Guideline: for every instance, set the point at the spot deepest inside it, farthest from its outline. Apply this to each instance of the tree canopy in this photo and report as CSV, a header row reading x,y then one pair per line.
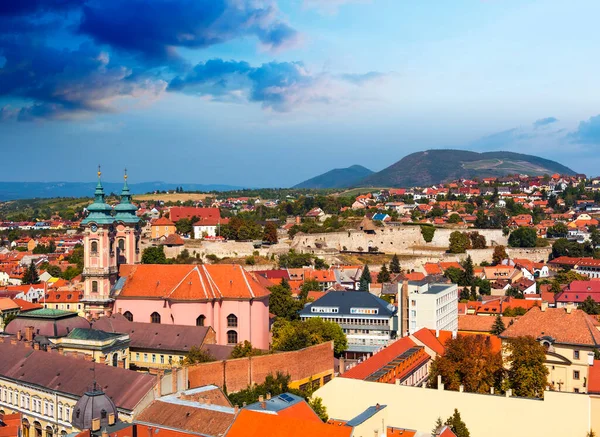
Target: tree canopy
x,y
294,335
154,255
459,242
281,302
527,371
523,237
31,275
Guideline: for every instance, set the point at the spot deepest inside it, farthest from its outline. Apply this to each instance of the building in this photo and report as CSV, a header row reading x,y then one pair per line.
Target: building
x,y
161,228
369,322
45,324
109,241
224,296
103,347
584,266
577,292
177,213
8,310
158,346
46,395
208,226
432,306
570,337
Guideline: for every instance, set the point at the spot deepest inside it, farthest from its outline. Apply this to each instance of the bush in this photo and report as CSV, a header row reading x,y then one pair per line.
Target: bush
x,y
427,232
250,261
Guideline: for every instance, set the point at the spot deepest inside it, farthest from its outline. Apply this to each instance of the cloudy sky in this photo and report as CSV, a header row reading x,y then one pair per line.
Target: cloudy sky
x,y
269,93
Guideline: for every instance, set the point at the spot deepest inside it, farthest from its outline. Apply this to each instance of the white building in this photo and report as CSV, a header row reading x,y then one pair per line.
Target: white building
x,y
432,306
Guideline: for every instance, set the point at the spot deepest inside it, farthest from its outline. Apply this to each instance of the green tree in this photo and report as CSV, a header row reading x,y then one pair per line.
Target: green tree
x,y
469,275
281,302
55,271
320,264
523,237
456,275
485,287
457,425
154,255
527,372
454,218
515,292
270,233
395,265
365,279
590,306
436,428
499,255
31,275
383,275
245,349
478,241
559,230
427,232
197,355
184,226
293,260
459,242
471,362
308,285
294,335
498,327
317,406
274,384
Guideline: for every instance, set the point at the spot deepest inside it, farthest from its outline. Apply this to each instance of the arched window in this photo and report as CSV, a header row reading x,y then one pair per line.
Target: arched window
x,y
200,320
94,247
114,360
94,286
128,316
49,431
232,321
121,244
232,337
25,427
154,317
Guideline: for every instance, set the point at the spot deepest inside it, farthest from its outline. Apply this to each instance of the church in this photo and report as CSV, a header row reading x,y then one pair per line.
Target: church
x,y
234,302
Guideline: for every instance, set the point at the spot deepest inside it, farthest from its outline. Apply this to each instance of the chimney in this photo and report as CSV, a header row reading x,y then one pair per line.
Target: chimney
x,y
377,407
174,380
236,409
14,341
159,376
342,365
19,335
268,396
88,357
544,306
36,346
263,404
29,333
104,433
437,333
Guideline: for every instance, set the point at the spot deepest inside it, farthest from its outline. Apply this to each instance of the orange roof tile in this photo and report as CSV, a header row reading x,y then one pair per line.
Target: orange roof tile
x,y
162,221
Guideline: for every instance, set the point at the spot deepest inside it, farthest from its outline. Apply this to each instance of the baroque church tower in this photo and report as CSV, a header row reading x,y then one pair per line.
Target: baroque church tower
x,y
110,239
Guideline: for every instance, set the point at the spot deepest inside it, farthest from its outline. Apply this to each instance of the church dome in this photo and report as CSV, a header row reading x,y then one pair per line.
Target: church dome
x,y
94,410
99,211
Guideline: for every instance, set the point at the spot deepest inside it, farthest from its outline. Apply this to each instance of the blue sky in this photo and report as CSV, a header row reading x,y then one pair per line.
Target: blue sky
x,y
269,93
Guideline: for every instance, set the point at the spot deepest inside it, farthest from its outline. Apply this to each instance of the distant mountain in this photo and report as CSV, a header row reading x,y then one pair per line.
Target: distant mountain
x,y
337,178
29,190
436,166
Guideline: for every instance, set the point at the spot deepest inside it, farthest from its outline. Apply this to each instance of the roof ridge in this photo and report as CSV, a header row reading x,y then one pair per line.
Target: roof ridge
x,y
211,282
178,284
246,280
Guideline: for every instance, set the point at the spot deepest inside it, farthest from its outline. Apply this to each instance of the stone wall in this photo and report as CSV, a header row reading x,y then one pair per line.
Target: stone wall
x,y
388,239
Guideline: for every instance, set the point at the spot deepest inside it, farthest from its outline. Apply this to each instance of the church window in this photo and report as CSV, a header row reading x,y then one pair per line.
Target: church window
x,y
232,337
94,286
128,316
121,244
200,320
94,248
232,321
155,317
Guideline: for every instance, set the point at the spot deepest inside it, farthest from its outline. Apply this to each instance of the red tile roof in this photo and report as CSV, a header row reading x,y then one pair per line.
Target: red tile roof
x,y
576,328
594,378
185,282
178,212
162,221
427,338
481,324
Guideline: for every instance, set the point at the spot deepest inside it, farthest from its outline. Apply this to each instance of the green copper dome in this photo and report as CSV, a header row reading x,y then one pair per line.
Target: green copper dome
x,y
99,212
125,211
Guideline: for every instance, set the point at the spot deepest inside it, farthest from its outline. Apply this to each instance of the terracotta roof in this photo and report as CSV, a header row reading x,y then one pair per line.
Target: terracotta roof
x,y
575,328
200,418
73,376
594,378
185,282
432,269
474,323
178,212
256,424
27,306
427,338
162,221
10,425
7,304
400,432
173,240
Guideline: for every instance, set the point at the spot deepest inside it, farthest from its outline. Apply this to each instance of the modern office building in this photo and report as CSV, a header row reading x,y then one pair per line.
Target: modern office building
x,y
432,306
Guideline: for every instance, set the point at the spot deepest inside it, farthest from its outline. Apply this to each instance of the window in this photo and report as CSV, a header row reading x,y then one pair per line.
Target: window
x,y
575,374
575,355
153,358
128,316
232,337
162,359
146,357
232,321
137,356
200,320
94,248
154,317
576,390
121,244
60,412
94,286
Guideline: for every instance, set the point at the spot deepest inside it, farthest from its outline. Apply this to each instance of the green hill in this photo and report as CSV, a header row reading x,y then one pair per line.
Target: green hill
x,y
436,166
337,178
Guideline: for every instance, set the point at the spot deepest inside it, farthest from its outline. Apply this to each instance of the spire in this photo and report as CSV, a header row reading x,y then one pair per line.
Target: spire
x,y
99,193
126,210
125,194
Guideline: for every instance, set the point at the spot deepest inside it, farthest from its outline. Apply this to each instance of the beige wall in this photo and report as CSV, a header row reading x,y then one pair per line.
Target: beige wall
x,y
559,414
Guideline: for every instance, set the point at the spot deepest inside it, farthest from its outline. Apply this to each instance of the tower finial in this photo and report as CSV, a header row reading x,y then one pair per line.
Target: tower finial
x,y
125,176
99,172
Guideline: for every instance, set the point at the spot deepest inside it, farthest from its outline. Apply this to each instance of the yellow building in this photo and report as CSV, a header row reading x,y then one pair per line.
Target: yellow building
x,y
101,347
45,387
8,309
162,227
570,337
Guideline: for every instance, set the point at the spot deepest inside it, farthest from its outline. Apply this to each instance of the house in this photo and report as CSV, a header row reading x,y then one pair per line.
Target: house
x,y
525,286
224,296
433,306
577,292
208,227
570,337
177,213
8,310
162,227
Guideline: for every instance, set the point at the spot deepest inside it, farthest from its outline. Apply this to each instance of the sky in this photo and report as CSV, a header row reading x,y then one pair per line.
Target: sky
x,y
267,93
